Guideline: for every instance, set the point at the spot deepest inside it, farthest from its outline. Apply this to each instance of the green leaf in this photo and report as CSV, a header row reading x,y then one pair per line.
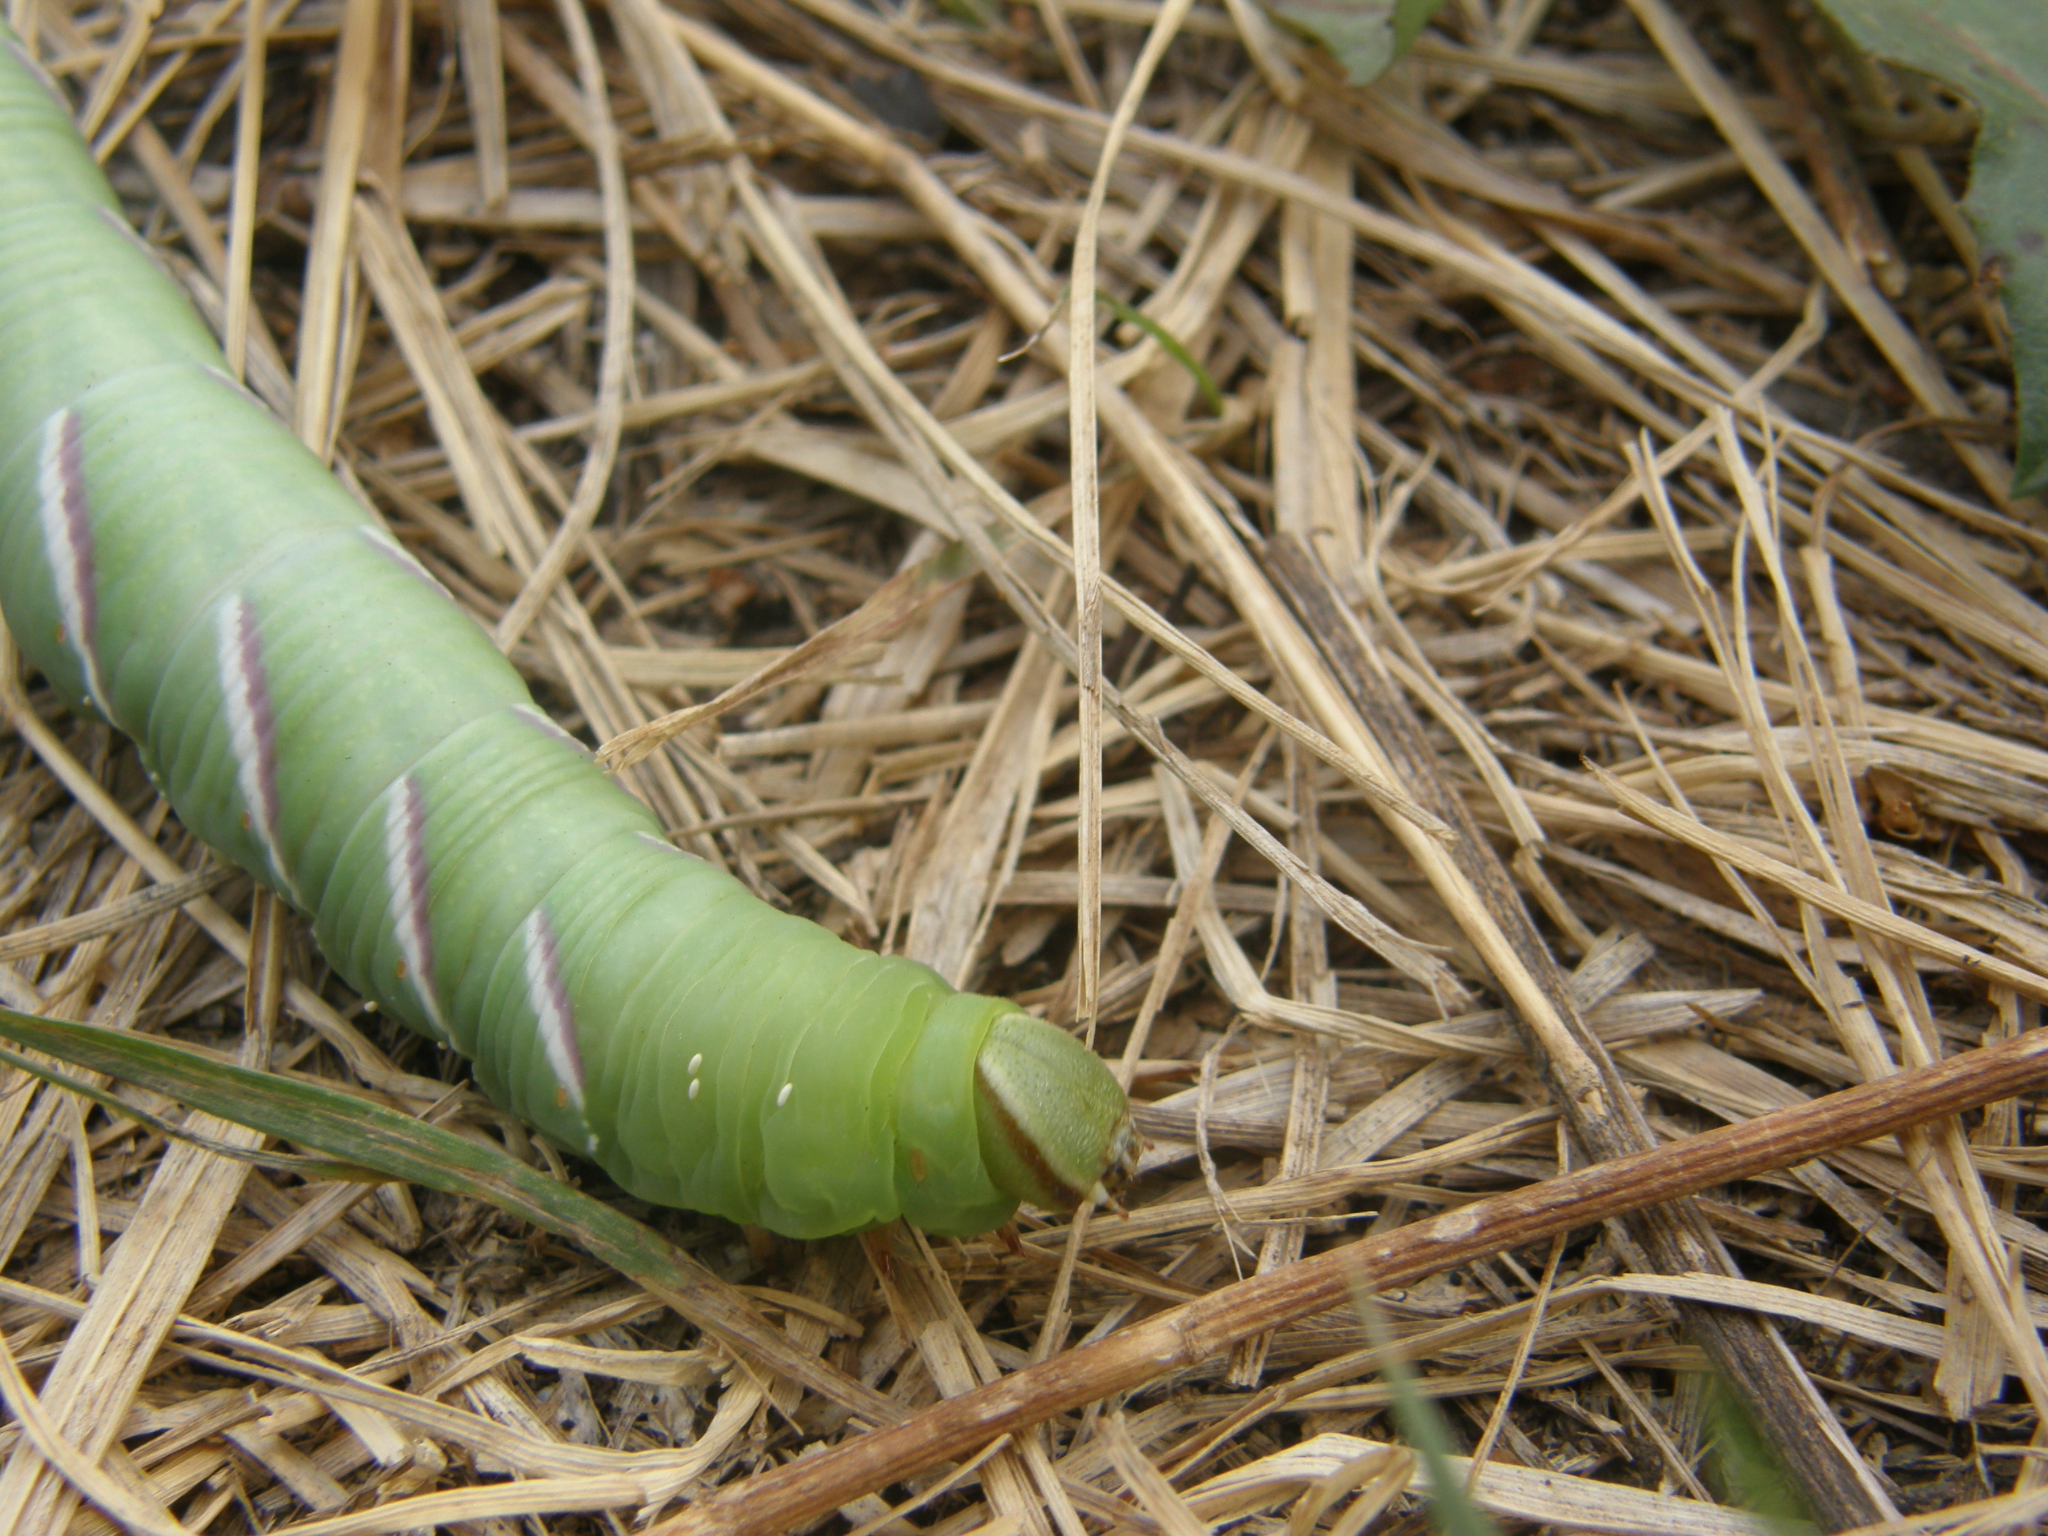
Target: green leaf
x,y
1996,53
367,1135
1365,36
1751,1475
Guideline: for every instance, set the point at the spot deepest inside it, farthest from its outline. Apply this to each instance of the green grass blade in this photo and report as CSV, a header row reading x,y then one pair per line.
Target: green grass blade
x,y
1451,1509
114,1104
364,1134
1169,343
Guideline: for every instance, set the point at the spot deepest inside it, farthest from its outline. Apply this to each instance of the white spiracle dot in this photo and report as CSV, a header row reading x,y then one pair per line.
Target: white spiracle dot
x,y
695,1084
782,1098
696,1063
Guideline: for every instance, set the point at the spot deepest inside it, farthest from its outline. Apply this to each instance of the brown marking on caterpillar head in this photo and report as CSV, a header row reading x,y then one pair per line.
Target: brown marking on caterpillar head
x,y
1054,1123
917,1167
1046,1182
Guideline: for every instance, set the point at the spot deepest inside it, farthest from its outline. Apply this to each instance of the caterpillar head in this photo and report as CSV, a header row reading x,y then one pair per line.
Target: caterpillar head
x,y
1055,1126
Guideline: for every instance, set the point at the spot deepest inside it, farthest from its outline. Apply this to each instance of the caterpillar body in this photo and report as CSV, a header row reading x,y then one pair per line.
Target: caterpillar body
x,y
320,712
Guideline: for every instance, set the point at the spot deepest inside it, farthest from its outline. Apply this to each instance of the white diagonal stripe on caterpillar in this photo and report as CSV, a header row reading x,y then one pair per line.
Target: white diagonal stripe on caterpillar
x,y
666,846
380,539
552,1011
252,727
540,722
42,76
67,536
142,247
405,861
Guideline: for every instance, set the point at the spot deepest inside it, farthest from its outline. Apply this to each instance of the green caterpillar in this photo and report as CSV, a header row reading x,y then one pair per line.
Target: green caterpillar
x,y
319,711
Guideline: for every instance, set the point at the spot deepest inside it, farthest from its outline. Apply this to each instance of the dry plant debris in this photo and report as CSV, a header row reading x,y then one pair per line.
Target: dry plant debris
x,y
1577,681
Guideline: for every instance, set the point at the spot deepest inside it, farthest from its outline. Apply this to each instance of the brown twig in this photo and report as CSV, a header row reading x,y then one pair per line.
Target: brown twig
x,y
816,1485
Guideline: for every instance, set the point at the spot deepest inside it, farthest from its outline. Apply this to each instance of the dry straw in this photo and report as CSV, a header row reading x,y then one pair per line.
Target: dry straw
x,y
1516,657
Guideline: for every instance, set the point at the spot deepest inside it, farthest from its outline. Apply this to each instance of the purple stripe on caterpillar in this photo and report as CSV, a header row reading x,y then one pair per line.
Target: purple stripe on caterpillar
x,y
549,998
67,536
120,226
666,846
548,728
381,540
42,76
405,860
252,728
225,379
